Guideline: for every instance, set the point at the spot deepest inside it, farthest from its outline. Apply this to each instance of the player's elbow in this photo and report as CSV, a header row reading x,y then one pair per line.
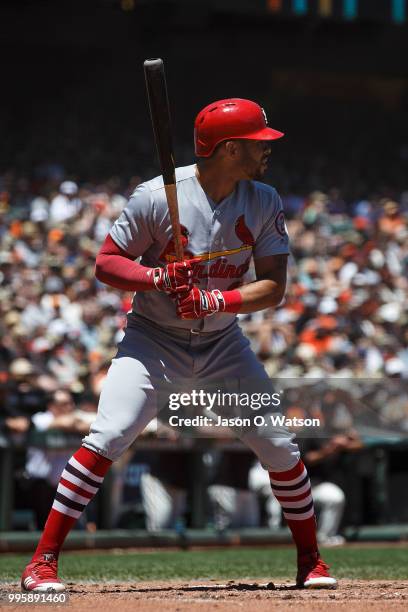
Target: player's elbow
x,y
99,271
277,295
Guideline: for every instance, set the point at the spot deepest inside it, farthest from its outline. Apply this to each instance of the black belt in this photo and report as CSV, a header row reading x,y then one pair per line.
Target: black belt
x,y
180,331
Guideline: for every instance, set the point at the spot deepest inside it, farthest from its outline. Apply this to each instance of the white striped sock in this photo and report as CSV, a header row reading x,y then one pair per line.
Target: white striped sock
x,y
64,510
76,497
80,483
78,466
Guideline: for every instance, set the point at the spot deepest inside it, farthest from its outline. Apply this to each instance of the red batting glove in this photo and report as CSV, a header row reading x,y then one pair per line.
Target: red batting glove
x,y
199,303
174,277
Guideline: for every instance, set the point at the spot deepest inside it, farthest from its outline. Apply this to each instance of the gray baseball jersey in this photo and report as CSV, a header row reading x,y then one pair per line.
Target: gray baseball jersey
x,y
249,222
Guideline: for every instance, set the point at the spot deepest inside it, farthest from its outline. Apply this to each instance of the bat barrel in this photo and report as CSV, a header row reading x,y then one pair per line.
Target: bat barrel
x,y
153,64
160,115
159,111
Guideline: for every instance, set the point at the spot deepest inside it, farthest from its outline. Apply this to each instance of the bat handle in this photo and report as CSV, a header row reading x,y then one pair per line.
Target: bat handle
x,y
171,194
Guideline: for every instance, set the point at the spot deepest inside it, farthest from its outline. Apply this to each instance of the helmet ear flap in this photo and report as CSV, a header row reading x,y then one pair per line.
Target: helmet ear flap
x,y
220,145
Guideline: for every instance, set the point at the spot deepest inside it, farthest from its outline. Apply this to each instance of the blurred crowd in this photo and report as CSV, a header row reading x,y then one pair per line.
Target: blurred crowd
x,y
58,324
345,314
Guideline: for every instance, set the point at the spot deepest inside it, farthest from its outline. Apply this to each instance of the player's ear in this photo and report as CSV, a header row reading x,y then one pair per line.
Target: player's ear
x,y
233,148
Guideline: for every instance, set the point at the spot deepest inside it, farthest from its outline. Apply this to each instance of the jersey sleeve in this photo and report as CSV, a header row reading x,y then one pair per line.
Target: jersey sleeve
x,y
273,238
133,230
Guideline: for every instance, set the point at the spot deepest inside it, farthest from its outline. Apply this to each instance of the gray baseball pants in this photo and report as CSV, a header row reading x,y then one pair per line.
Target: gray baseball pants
x,y
151,356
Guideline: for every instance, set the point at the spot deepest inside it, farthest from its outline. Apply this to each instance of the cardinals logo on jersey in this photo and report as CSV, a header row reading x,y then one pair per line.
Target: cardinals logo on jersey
x,y
220,266
169,252
243,232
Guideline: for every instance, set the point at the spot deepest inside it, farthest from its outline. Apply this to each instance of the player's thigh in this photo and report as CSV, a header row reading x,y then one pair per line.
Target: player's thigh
x,y
232,363
230,366
231,357
135,389
128,402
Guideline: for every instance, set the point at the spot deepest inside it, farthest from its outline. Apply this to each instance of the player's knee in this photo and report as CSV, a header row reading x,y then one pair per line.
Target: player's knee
x,y
275,454
111,444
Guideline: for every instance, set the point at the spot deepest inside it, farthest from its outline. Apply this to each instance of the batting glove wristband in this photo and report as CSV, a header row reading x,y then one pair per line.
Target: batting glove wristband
x,y
199,303
174,277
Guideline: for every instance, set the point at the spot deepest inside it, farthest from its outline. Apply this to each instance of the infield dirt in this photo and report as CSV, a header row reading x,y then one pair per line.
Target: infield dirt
x,y
251,596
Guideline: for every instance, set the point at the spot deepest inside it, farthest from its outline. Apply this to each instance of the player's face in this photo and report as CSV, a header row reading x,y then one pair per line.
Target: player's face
x,y
254,159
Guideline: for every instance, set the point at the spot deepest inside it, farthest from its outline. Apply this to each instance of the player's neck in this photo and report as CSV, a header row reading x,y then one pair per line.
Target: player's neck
x,y
217,184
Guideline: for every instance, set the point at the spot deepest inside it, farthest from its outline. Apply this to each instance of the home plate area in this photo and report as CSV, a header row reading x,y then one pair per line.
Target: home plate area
x,y
251,596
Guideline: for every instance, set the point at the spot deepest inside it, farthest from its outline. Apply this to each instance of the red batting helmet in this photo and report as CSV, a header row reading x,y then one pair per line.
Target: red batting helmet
x,y
229,119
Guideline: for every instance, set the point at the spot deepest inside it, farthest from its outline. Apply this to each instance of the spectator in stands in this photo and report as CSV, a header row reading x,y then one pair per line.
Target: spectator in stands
x,y
44,465
260,486
22,396
392,221
232,502
66,204
153,482
165,483
324,456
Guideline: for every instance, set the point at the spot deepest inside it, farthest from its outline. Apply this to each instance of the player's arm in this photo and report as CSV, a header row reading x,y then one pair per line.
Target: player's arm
x,y
269,288
117,268
270,256
132,234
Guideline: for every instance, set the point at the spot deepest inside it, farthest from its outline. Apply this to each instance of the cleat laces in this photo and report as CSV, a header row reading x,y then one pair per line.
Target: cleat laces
x,y
45,570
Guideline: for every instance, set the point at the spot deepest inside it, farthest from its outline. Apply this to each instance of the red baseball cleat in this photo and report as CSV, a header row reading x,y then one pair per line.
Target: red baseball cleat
x,y
40,576
313,573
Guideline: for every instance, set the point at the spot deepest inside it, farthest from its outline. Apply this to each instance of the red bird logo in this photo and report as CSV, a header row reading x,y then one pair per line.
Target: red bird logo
x,y
243,232
169,252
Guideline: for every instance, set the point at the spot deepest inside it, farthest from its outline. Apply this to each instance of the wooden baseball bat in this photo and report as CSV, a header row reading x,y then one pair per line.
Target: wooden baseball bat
x,y
160,115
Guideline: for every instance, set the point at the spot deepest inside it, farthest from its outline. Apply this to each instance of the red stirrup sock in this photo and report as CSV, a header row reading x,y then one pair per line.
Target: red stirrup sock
x,y
292,489
80,481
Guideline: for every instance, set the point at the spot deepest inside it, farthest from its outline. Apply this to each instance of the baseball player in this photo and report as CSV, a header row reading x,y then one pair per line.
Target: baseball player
x,y
183,322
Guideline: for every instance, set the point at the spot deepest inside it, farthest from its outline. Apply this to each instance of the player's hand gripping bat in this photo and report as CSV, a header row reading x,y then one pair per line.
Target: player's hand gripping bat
x,y
160,114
